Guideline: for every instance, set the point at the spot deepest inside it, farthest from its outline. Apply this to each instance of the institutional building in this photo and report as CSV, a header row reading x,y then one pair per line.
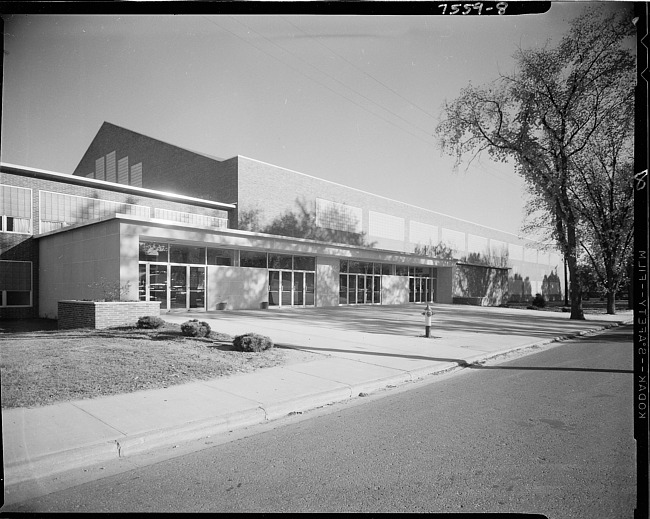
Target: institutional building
x,y
151,221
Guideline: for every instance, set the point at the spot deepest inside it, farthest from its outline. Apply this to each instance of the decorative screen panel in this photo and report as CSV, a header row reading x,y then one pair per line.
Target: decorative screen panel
x,y
15,201
385,225
99,169
530,255
123,170
136,175
339,217
454,239
111,173
191,218
477,244
498,248
516,252
59,210
422,233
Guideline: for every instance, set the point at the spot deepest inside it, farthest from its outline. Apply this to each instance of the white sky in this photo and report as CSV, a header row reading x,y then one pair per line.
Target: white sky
x,y
351,99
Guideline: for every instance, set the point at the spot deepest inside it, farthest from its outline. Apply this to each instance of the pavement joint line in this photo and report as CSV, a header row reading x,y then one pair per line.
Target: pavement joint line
x,y
73,404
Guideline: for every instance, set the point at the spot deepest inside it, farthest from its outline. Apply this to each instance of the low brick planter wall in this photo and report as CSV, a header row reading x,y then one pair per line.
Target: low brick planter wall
x,y
95,314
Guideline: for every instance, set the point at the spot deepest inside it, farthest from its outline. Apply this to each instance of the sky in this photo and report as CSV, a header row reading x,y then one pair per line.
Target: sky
x,y
354,99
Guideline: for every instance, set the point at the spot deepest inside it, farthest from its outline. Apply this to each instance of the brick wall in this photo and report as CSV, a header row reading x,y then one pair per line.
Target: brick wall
x,y
91,314
274,191
24,247
165,167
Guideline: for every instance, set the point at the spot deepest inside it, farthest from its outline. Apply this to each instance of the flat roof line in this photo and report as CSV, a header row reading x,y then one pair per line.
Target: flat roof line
x,y
77,179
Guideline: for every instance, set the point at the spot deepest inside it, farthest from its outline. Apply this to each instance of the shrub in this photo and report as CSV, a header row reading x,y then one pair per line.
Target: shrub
x,y
539,301
252,342
150,322
195,328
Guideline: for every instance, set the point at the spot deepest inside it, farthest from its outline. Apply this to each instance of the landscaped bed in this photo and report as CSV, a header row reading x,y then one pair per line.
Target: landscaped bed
x,y
43,367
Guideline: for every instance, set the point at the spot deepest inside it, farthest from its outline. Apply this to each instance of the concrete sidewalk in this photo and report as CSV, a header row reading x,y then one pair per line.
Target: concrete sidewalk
x,y
363,349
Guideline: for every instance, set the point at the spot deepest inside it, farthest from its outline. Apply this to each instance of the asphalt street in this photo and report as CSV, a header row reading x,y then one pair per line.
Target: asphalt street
x,y
548,433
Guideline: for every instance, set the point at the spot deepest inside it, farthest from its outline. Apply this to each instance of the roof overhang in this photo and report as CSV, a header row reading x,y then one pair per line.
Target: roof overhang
x,y
111,186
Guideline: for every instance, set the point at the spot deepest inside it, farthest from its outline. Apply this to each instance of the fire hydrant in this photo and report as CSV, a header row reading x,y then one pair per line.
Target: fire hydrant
x,y
428,312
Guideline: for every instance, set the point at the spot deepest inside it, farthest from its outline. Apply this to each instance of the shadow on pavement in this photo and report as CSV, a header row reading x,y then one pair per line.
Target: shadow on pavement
x,y
460,362
407,319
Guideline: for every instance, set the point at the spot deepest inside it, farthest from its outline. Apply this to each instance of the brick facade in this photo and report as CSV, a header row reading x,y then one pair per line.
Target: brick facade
x,y
164,167
91,314
24,247
383,230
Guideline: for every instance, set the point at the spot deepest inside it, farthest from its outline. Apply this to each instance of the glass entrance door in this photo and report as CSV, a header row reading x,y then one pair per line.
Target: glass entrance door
x,y
291,288
274,287
359,289
158,284
298,289
286,288
309,289
421,290
197,287
178,287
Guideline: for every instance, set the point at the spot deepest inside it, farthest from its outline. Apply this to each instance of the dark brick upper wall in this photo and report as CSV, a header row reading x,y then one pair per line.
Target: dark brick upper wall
x,y
164,167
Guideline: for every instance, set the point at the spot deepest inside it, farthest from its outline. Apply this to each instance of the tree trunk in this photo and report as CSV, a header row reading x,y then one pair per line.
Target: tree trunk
x,y
630,286
611,291
576,293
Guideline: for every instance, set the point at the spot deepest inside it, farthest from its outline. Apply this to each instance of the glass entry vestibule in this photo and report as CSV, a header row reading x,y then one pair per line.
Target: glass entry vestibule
x,y
174,274
291,288
360,282
422,284
291,280
175,286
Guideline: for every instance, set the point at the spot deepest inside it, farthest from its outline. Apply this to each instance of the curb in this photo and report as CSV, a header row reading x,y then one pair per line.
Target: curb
x,y
559,338
48,465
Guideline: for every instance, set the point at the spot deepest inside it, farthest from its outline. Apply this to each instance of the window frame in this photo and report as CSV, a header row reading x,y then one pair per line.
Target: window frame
x,y
3,292
4,217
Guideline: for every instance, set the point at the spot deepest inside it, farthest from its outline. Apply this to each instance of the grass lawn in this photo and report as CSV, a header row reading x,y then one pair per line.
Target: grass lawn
x,y
42,367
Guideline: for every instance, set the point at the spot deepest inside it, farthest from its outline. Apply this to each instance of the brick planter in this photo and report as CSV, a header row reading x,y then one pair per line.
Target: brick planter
x,y
95,314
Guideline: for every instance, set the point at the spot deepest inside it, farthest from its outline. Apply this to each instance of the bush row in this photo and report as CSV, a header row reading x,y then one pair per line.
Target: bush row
x,y
195,328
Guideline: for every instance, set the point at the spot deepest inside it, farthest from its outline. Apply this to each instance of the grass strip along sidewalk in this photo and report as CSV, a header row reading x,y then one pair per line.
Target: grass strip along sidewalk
x,y
50,366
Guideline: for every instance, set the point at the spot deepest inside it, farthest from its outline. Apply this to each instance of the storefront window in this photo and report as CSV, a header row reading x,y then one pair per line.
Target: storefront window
x,y
280,261
402,270
154,251
252,259
419,271
187,254
15,283
304,263
221,257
